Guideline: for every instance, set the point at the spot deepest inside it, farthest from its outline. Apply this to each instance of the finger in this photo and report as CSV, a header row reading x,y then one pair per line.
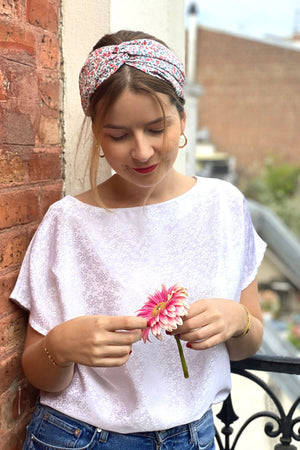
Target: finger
x,y
205,343
126,323
197,334
124,337
118,338
193,323
97,355
114,362
203,333
115,351
196,308
108,361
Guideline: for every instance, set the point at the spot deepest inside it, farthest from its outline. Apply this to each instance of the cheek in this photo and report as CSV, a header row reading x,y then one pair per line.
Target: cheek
x,y
172,142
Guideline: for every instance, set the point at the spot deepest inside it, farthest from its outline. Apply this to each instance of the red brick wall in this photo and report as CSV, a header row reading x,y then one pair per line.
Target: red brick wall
x,y
251,101
30,177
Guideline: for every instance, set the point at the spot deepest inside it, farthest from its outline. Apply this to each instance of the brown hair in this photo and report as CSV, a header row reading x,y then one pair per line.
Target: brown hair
x,y
108,92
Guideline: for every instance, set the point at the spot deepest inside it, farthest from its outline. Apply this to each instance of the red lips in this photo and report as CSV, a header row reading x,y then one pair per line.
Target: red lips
x,y
145,169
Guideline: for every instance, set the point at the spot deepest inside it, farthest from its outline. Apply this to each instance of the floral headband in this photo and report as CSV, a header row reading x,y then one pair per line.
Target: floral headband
x,y
146,55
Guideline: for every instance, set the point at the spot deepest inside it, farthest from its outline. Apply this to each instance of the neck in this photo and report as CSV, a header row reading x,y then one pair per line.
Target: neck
x,y
118,193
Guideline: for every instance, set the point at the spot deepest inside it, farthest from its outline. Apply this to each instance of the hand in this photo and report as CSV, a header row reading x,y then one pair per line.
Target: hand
x,y
99,341
210,322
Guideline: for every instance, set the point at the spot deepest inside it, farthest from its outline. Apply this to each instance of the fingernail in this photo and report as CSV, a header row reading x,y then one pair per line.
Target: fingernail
x,y
168,333
130,352
189,345
149,323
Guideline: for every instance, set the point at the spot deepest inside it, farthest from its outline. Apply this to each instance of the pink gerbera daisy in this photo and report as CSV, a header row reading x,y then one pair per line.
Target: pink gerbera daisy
x,y
164,310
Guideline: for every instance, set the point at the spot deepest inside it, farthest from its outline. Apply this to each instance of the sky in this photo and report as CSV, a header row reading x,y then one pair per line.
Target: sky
x,y
257,18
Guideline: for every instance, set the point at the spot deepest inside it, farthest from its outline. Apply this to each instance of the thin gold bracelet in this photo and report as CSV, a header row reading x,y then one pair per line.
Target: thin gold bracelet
x,y
50,357
248,326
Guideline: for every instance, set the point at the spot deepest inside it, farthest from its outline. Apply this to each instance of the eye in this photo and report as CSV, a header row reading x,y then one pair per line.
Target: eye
x,y
118,138
160,131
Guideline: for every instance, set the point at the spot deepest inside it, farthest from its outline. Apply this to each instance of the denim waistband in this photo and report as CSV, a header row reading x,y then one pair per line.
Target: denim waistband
x,y
161,435
102,435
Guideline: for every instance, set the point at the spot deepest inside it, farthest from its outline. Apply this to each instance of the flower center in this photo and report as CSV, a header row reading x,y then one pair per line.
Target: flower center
x,y
158,308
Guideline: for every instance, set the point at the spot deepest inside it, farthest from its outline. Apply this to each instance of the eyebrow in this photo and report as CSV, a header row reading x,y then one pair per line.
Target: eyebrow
x,y
120,127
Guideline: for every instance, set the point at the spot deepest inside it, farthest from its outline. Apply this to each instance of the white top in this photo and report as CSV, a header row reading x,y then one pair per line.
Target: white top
x,y
85,260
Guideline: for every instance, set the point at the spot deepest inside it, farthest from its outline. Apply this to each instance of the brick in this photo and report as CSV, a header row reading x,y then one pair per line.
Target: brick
x,y
248,85
7,283
45,165
16,128
14,438
50,92
18,207
49,132
31,229
31,175
10,370
43,14
17,43
12,248
13,329
15,406
49,195
19,403
12,168
49,52
10,8
19,89
3,87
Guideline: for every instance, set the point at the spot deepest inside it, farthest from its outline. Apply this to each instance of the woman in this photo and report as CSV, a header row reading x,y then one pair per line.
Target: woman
x,y
97,257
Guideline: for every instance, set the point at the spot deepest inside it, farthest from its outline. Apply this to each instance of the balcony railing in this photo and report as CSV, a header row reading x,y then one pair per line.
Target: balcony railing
x,y
283,427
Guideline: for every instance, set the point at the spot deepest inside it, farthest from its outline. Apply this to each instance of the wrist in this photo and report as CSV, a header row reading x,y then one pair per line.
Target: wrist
x,y
51,350
247,326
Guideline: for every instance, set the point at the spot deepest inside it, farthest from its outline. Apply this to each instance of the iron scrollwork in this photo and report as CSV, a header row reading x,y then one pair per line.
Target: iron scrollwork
x,y
280,424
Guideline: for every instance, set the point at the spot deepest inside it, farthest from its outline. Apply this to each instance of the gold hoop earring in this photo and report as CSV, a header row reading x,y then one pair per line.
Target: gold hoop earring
x,y
101,156
185,141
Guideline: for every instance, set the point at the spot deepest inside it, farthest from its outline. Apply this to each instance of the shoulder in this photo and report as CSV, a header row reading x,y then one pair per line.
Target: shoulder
x,y
57,215
215,188
68,205
56,210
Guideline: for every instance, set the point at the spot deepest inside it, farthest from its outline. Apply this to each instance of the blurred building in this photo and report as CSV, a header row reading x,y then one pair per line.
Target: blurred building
x,y
251,102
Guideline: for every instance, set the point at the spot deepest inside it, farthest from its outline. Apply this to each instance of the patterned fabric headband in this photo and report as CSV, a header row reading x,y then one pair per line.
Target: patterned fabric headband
x,y
146,55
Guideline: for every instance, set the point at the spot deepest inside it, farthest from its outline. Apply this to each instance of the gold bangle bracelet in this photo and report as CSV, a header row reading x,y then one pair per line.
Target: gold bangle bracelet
x,y
50,357
248,326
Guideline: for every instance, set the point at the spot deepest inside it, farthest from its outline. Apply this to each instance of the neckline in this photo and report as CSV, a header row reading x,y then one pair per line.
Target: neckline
x,y
143,207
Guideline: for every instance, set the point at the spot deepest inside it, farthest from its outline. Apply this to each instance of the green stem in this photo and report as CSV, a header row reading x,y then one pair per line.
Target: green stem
x,y
182,358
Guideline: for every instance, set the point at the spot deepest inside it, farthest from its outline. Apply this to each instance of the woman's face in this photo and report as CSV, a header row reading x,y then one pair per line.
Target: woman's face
x,y
132,139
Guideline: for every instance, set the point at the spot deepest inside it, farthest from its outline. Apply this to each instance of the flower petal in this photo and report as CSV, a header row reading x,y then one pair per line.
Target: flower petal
x,y
164,310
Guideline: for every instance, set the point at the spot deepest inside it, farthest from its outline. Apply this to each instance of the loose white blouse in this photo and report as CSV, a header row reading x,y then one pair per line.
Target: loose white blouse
x,y
86,260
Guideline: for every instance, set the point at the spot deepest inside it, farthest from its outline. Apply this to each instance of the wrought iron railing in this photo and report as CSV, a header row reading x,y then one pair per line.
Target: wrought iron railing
x,y
283,425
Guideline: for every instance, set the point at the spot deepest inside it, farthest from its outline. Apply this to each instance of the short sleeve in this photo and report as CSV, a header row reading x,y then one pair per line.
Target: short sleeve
x,y
254,248
36,286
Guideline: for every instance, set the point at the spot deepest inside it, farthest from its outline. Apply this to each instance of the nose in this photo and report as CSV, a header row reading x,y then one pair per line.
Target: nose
x,y
142,149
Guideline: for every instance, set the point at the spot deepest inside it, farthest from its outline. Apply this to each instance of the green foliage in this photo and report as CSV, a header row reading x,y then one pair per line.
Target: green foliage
x,y
281,180
277,186
294,335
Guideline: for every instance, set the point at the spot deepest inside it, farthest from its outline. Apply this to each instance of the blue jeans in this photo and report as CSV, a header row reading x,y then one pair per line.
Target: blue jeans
x,y
50,429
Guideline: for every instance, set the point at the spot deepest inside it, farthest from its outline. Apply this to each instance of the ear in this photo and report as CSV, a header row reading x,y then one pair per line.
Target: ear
x,y
182,121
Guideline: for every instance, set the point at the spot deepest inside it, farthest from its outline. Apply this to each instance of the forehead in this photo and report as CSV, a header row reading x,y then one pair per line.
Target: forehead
x,y
139,107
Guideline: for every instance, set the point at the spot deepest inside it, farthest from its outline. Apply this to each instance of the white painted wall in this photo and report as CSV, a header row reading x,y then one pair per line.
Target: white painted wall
x,y
83,25
162,18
